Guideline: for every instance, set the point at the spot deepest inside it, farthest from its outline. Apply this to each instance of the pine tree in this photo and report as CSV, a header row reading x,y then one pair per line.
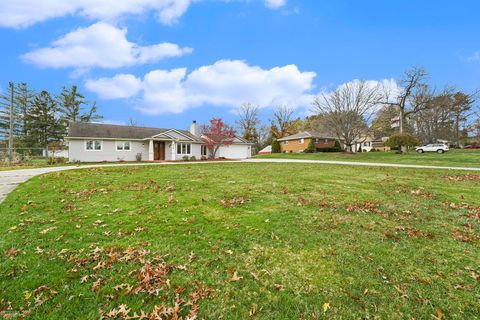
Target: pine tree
x,y
24,97
276,146
311,147
71,103
43,124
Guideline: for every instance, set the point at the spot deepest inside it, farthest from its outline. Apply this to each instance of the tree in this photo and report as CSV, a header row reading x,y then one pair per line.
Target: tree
x,y
217,134
412,97
311,147
43,124
383,123
402,139
347,110
248,123
281,124
461,107
71,103
276,146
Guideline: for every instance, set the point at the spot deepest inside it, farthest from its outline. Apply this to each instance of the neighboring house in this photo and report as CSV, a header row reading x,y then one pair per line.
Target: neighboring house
x,y
266,150
369,142
94,142
299,141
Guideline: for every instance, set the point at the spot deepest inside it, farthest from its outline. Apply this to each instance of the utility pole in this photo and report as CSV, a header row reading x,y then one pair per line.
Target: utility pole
x,y
10,135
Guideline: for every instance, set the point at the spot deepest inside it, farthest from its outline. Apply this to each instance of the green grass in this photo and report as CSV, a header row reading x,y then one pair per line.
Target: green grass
x,y
454,158
236,241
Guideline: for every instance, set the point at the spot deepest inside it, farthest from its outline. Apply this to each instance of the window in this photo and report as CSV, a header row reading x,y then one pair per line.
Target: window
x,y
325,141
203,150
302,141
366,144
316,140
286,142
123,145
93,145
184,148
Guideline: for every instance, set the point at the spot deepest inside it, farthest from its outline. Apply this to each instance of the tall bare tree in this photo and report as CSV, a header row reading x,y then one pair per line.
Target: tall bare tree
x,y
347,110
413,96
281,124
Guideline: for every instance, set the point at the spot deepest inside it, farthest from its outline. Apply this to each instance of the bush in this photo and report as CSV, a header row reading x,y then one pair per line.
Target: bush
x,y
310,147
275,146
328,150
186,158
51,161
192,158
398,140
138,157
373,150
337,146
203,158
60,160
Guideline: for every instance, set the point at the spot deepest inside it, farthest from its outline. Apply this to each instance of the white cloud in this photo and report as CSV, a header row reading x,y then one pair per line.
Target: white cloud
x,y
119,86
100,45
475,56
227,83
24,13
275,4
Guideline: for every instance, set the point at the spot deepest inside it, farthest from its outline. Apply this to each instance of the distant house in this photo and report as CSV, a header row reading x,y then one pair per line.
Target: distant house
x,y
368,142
299,141
94,142
266,150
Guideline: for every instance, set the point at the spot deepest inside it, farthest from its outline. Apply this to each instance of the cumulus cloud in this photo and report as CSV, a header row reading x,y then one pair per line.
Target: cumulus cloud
x,y
119,86
24,13
275,4
100,45
226,83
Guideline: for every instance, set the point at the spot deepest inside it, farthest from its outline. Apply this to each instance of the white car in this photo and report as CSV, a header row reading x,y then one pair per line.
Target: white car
x,y
434,147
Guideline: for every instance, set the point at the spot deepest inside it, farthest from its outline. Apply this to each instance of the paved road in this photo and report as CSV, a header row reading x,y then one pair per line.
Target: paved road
x,y
10,179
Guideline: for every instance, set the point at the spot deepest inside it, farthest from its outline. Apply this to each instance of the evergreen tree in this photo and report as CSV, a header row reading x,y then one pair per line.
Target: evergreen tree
x,y
276,146
43,124
311,147
71,103
24,97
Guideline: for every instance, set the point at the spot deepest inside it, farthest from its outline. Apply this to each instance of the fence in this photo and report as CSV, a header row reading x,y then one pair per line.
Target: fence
x,y
29,156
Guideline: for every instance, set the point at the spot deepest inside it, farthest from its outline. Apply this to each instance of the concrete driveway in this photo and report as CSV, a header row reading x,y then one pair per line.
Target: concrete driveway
x,y
10,179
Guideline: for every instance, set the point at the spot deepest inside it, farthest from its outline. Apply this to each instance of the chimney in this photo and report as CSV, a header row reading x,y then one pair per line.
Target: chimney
x,y
194,129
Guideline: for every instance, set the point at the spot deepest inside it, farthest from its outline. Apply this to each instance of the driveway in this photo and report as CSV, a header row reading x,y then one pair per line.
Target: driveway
x,y
10,179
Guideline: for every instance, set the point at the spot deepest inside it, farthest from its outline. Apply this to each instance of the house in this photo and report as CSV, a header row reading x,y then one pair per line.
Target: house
x,y
266,150
299,141
95,142
368,142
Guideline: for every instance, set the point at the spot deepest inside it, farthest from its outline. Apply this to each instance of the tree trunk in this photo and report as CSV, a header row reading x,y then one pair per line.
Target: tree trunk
x,y
401,119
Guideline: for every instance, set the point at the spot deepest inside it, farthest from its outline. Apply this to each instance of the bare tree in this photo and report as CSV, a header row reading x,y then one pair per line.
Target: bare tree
x,y
282,121
413,96
347,110
248,121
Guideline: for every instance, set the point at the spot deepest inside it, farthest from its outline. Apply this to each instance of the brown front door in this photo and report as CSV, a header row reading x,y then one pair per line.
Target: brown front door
x,y
159,150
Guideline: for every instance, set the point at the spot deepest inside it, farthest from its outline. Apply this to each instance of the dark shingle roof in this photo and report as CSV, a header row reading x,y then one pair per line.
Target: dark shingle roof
x,y
308,134
110,131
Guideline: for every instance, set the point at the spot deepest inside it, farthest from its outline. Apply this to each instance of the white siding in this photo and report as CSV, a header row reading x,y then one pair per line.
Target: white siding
x,y
108,153
235,151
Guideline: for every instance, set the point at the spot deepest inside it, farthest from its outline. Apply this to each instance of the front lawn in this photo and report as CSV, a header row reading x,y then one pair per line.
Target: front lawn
x,y
454,158
237,241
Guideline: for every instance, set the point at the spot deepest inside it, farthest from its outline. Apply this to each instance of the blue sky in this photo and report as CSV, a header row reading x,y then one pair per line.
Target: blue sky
x,y
167,62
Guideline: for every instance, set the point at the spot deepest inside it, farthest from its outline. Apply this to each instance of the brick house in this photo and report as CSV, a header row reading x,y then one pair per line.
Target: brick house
x,y
299,141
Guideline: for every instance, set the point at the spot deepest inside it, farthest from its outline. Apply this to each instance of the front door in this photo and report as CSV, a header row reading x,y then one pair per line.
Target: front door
x,y
159,150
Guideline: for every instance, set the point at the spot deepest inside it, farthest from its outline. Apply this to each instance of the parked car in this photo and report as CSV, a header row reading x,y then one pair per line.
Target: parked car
x,y
472,147
434,147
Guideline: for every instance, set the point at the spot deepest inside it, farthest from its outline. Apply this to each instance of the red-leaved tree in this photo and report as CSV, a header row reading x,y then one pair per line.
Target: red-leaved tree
x,y
217,134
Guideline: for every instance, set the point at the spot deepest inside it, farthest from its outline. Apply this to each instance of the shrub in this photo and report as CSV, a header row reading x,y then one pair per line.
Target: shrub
x,y
203,158
138,157
337,146
186,158
51,161
402,139
328,149
60,160
192,158
275,146
310,147
373,150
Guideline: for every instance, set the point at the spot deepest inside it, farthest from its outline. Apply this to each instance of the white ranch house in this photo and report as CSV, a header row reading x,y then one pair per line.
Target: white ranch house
x,y
94,142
